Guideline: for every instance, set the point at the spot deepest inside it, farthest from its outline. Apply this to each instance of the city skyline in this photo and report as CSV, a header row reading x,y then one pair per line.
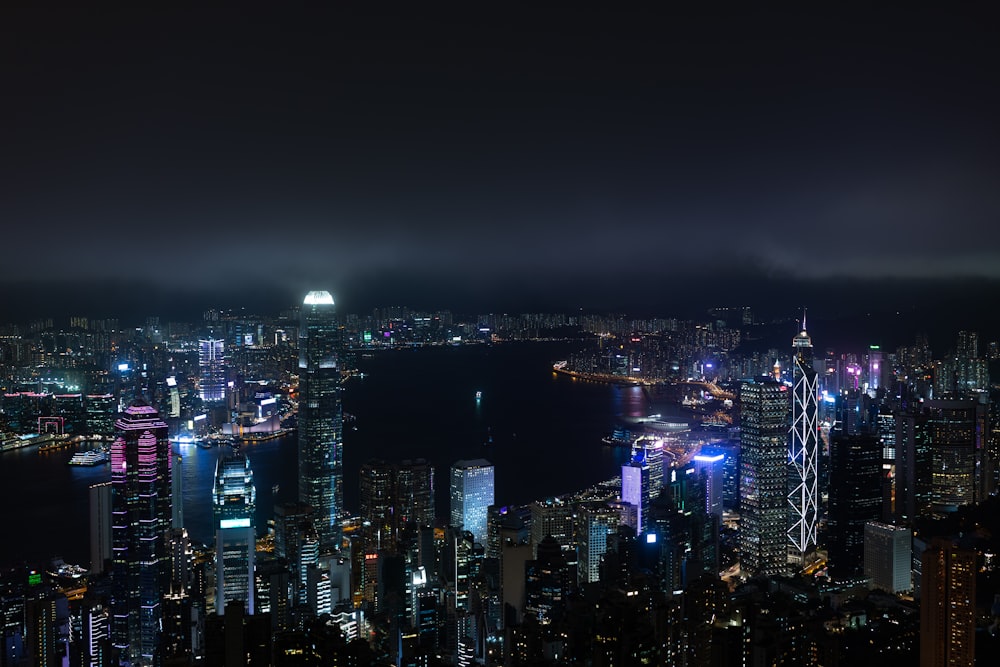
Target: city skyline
x,y
582,160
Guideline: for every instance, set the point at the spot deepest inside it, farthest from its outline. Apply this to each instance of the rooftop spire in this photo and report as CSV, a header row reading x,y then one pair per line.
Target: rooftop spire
x,y
804,319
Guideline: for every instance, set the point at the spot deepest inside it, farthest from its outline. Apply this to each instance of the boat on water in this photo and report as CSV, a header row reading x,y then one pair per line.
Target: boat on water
x,y
92,457
479,395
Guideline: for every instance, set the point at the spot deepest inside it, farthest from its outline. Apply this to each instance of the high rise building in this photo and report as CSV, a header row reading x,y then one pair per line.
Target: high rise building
x,y
471,494
100,527
637,489
596,522
414,493
296,540
763,477
140,518
377,502
887,556
212,370
710,465
235,500
948,606
955,430
855,497
803,453
321,469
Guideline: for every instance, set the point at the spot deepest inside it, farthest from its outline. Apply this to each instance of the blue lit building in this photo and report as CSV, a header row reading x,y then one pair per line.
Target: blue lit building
x,y
321,467
212,369
234,501
471,496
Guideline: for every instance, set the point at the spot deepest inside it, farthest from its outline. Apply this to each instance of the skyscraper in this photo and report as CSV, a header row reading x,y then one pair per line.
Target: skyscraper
x,y
377,505
140,518
887,556
414,493
855,497
235,500
763,477
296,540
211,367
637,489
471,495
948,606
803,453
321,470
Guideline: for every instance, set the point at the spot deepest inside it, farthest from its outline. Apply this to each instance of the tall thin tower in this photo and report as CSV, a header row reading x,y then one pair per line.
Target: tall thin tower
x,y
235,536
321,467
803,452
140,518
763,477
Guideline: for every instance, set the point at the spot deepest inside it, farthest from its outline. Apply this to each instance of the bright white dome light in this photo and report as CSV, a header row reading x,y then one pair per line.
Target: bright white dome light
x,y
318,298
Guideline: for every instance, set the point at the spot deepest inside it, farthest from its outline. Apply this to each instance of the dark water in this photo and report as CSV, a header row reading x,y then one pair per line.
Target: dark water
x,y
545,430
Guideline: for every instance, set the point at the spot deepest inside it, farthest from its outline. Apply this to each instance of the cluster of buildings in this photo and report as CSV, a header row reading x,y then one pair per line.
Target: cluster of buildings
x,y
833,530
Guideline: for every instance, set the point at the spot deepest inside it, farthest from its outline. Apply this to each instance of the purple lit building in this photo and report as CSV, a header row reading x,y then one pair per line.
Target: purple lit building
x,y
140,517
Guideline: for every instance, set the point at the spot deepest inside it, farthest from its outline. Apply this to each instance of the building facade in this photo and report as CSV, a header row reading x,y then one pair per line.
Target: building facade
x,y
234,503
471,492
763,477
321,467
803,452
140,518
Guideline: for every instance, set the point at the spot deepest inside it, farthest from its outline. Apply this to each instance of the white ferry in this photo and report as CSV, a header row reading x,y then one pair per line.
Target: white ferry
x,y
93,457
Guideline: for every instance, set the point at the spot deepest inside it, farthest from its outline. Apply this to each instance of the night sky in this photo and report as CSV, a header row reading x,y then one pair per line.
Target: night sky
x,y
498,156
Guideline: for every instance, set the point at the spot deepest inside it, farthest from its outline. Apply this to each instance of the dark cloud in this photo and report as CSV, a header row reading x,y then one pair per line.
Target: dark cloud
x,y
556,153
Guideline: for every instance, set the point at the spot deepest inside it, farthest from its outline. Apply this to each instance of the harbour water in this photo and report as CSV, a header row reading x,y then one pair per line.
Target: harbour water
x,y
541,430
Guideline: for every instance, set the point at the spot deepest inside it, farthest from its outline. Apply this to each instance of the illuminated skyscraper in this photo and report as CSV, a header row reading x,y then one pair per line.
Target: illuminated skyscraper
x,y
887,556
803,453
235,499
321,470
637,489
414,493
763,477
471,495
377,501
948,606
212,369
140,519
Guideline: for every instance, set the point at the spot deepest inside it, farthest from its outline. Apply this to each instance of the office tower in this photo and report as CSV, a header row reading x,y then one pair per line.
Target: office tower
x,y
939,457
596,522
955,431
637,489
40,637
321,470
414,493
377,503
803,454
948,606
100,527
913,460
471,495
874,368
235,500
763,477
855,497
212,370
548,581
887,556
553,518
296,540
95,642
140,517
177,492
709,464
180,616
